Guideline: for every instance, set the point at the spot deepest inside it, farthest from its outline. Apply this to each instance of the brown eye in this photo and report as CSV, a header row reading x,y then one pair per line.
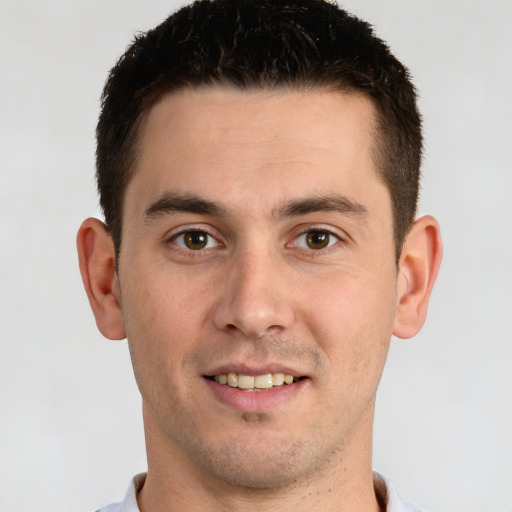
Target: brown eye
x,y
195,240
318,239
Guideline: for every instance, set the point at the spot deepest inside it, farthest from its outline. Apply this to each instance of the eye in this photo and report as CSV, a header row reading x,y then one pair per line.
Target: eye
x,y
195,240
316,239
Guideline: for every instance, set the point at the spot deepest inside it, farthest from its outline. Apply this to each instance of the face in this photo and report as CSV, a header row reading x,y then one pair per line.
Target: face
x,y
258,247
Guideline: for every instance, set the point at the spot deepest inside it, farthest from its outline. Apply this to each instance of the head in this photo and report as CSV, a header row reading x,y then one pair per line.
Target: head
x,y
258,166
261,45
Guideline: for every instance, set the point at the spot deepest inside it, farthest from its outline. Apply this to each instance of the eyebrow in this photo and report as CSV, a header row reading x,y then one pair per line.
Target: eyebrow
x,y
338,204
188,203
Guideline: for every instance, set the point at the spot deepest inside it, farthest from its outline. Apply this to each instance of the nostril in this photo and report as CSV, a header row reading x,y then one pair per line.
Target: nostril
x,y
251,316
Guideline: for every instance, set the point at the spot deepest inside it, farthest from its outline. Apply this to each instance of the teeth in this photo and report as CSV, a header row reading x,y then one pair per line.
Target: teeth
x,y
232,380
221,379
278,379
265,381
245,382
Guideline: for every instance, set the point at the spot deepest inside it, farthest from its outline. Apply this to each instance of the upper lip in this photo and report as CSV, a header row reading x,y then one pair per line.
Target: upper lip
x,y
254,370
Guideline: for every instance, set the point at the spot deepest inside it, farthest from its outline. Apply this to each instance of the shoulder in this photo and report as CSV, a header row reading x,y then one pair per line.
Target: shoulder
x,y
389,498
113,507
129,503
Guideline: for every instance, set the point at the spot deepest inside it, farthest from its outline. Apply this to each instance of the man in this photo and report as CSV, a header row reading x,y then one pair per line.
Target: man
x,y
258,165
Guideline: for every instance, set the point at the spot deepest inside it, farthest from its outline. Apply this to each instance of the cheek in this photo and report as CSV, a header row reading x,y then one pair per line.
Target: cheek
x,y
163,300
164,317
352,319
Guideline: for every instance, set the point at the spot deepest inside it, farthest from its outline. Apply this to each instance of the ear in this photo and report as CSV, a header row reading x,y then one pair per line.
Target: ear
x,y
96,256
419,264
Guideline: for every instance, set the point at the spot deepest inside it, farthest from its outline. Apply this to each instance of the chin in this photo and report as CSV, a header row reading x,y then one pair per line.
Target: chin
x,y
262,465
251,474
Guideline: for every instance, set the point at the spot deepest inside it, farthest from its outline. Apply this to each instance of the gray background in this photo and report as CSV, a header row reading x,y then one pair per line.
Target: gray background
x,y
70,427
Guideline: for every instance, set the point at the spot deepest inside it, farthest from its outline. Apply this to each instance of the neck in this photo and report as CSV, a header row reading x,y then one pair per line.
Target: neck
x,y
174,482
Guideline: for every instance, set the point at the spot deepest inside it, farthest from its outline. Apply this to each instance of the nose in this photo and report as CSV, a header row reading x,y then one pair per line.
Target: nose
x,y
255,297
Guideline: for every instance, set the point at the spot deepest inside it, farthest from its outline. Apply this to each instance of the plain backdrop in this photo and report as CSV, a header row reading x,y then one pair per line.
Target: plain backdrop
x,y
70,424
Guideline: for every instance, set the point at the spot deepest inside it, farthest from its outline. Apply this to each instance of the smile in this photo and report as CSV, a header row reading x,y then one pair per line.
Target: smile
x,y
254,383
255,393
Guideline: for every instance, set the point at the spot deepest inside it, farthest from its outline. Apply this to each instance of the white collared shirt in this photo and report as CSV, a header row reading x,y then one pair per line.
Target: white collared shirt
x,y
129,504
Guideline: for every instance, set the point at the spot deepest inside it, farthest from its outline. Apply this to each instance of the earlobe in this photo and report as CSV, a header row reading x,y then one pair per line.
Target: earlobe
x,y
96,256
419,264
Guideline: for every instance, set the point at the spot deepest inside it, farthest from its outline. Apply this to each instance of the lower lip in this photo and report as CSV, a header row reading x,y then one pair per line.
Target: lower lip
x,y
255,401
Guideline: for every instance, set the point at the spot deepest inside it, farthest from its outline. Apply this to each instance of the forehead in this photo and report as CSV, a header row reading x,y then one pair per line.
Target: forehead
x,y
225,143
231,113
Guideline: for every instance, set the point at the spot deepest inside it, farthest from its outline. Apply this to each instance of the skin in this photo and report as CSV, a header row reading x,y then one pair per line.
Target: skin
x,y
267,169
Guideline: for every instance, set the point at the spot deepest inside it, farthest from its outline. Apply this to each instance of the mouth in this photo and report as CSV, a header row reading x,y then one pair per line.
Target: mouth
x,y
257,390
261,382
